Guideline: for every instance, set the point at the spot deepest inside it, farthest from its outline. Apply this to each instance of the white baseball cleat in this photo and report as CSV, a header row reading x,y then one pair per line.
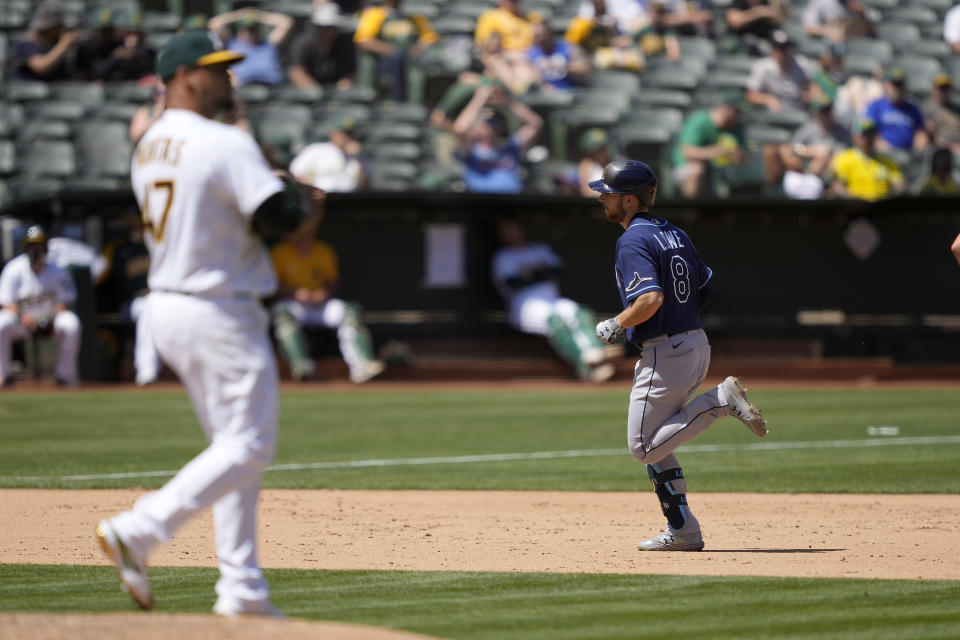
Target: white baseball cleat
x,y
255,608
131,569
671,541
743,410
367,371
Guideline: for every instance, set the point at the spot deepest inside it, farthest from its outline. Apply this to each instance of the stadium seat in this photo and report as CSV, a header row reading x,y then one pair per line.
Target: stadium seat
x,y
128,92
395,152
920,72
357,94
157,39
154,21
626,82
736,63
668,120
29,187
56,110
671,78
883,5
392,175
119,111
940,6
601,98
663,98
11,117
785,119
47,158
900,34
42,129
6,194
254,93
727,79
702,48
8,158
877,50
96,183
930,48
88,94
381,132
400,112
452,25
915,14
293,93
26,90
566,125
105,132
766,134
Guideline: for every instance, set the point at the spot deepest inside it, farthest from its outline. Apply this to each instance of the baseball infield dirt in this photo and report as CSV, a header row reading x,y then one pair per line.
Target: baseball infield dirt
x,y
862,536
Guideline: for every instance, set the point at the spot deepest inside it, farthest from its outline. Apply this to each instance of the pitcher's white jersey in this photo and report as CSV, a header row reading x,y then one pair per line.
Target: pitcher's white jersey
x,y
198,183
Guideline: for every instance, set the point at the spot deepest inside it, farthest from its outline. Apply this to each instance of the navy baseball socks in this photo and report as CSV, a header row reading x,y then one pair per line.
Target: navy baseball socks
x,y
683,530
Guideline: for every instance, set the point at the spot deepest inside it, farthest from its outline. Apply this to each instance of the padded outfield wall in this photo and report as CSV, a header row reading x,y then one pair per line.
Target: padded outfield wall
x,y
864,280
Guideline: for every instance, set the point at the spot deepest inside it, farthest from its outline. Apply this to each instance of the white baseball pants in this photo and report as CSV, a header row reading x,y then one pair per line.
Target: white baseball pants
x,y
331,314
221,352
67,331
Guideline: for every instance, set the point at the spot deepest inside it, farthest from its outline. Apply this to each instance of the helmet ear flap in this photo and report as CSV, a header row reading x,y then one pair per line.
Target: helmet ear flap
x,y
647,195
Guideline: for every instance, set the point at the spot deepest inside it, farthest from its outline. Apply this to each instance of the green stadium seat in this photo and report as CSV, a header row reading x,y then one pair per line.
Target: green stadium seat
x,y
916,14
389,111
48,158
105,132
663,98
454,25
691,47
567,125
56,110
96,183
727,79
920,72
6,194
8,158
383,132
154,21
735,63
602,98
785,119
883,5
11,118
26,90
467,9
930,48
42,129
900,34
358,94
878,50
395,151
128,92
120,111
766,134
88,94
667,120
626,82
940,6
393,175
157,39
254,93
25,187
293,93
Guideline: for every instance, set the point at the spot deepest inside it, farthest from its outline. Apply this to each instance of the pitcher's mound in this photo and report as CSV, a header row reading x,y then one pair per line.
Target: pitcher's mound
x,y
160,626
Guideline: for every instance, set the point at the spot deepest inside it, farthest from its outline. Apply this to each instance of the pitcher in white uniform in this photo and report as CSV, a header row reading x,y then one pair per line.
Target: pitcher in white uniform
x,y
205,191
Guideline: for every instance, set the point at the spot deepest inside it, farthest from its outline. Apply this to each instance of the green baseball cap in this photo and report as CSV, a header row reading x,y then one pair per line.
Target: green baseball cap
x,y
193,49
864,126
593,139
895,75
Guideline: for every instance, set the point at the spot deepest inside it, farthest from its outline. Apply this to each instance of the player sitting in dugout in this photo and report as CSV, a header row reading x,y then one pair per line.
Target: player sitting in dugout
x,y
307,276
525,274
34,300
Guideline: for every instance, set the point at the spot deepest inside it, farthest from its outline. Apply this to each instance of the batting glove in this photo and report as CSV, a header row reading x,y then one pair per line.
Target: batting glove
x,y
610,331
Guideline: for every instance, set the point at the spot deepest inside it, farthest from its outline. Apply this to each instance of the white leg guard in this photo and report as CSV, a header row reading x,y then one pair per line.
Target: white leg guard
x,y
66,327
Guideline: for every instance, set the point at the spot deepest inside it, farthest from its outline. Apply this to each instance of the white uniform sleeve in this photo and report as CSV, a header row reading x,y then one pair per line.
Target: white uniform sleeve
x,y
951,25
245,173
8,286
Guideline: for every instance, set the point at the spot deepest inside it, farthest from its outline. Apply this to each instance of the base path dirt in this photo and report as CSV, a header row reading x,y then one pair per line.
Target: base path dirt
x,y
158,626
817,535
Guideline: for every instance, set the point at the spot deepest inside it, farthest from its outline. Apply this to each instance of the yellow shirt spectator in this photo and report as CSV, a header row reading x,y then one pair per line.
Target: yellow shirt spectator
x,y
316,270
516,32
401,30
865,177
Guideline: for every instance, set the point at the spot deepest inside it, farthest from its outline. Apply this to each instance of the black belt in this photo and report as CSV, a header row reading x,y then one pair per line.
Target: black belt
x,y
229,296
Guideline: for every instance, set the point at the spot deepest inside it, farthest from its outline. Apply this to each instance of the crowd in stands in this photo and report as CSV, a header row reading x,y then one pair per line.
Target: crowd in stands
x,y
777,98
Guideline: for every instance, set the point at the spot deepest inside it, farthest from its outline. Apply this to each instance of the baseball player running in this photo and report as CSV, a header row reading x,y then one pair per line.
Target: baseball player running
x,y
204,189
663,285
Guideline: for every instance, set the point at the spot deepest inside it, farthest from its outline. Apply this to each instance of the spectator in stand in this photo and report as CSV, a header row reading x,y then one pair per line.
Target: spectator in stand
x,y
262,62
942,113
656,37
623,16
861,171
35,296
951,28
514,27
595,155
43,54
146,115
116,50
836,20
559,65
856,94
687,17
515,72
941,181
709,138
806,159
781,81
96,52
830,73
492,158
452,104
336,165
754,21
396,39
324,55
899,122
194,22
597,32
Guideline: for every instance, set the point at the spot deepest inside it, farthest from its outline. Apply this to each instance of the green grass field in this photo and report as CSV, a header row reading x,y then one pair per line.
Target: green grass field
x,y
511,439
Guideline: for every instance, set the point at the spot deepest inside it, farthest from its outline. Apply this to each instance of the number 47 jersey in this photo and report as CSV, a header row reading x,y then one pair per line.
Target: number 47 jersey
x,y
653,254
198,182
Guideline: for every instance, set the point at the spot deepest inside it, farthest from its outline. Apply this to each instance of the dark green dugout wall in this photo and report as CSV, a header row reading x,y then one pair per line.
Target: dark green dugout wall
x,y
782,268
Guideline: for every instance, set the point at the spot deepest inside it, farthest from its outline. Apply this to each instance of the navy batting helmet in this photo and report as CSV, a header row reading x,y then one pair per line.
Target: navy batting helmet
x,y
625,176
